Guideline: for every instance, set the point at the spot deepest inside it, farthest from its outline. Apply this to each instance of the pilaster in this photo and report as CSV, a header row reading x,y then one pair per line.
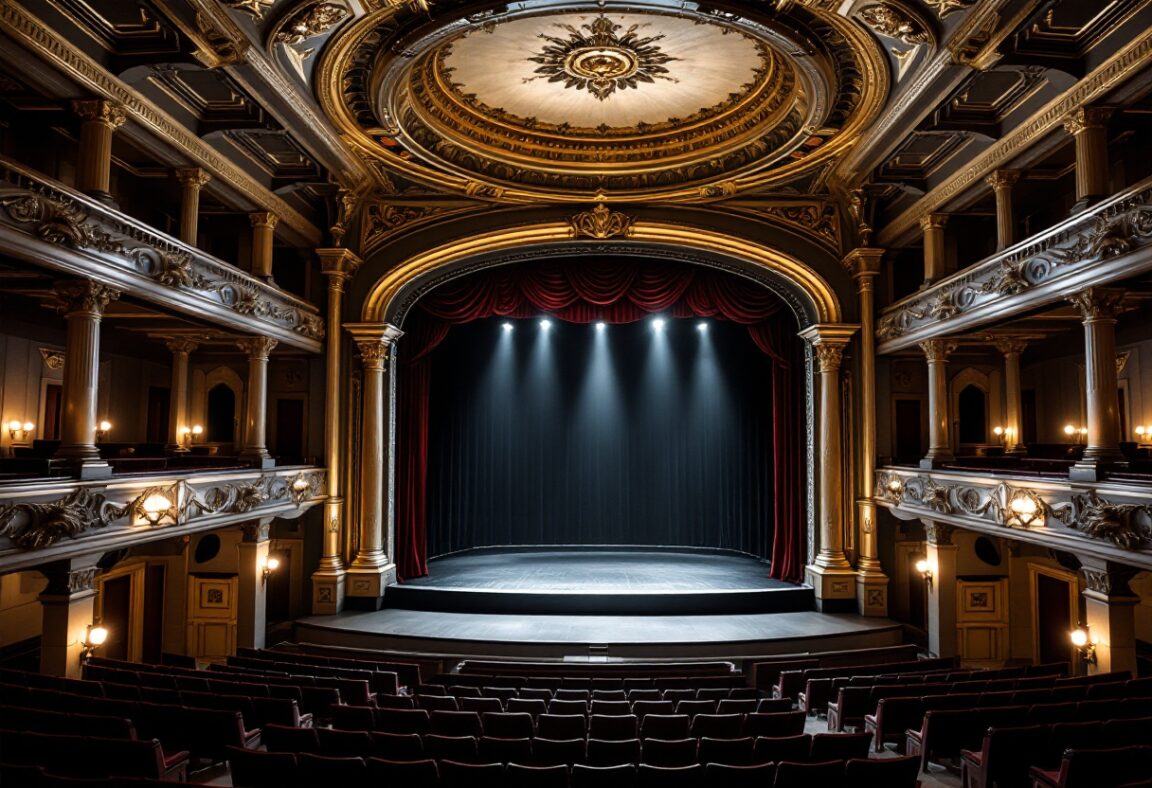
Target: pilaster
x,y
252,587
67,607
940,553
1110,613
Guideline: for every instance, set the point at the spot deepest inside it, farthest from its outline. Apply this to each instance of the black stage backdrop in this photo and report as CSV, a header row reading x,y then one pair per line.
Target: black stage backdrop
x,y
627,435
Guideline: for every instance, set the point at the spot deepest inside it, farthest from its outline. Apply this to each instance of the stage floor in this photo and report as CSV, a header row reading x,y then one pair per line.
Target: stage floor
x,y
608,602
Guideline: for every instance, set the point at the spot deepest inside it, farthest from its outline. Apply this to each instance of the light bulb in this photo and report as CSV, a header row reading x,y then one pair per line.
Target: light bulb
x,y
97,636
1079,638
105,426
1069,429
273,564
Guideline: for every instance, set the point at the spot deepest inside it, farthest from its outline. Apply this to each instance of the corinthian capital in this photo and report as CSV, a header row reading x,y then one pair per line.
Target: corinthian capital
x,y
192,176
1003,179
828,357
1098,303
257,348
1086,118
83,295
102,110
181,344
373,352
937,349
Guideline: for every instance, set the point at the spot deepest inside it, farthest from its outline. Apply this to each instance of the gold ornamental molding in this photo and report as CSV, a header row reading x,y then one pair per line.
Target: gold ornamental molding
x,y
1124,64
388,290
21,25
346,76
601,222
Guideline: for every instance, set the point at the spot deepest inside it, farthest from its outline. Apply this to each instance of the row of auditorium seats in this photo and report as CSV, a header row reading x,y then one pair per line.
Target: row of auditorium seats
x,y
412,672
1008,754
801,747
567,726
791,683
277,770
1120,767
92,756
763,671
556,683
36,777
587,696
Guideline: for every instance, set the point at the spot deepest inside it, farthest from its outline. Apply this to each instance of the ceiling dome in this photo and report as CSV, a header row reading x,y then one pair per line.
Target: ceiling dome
x,y
534,101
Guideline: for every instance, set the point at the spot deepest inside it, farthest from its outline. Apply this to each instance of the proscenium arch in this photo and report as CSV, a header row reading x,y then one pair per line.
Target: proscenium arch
x,y
810,296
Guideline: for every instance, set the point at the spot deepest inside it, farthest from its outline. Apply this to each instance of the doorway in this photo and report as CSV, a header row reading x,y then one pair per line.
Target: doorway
x,y
289,436
908,441
159,414
1055,612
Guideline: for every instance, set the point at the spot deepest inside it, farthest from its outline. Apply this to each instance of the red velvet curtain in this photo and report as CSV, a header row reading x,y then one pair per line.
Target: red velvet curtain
x,y
583,292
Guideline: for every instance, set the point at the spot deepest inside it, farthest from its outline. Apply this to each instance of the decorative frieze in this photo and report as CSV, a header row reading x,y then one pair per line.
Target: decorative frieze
x,y
1096,245
311,21
34,526
120,249
890,21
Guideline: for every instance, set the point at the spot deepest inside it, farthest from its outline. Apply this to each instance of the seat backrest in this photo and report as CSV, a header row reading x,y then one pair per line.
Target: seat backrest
x,y
826,774
562,726
740,751
517,775
619,726
760,775
718,726
437,703
382,771
839,746
397,746
651,776
619,776
668,752
610,752
509,725
899,772
665,726
402,720
457,748
783,748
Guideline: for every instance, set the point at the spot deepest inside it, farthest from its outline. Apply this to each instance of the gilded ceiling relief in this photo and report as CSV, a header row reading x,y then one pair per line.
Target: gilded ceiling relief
x,y
595,57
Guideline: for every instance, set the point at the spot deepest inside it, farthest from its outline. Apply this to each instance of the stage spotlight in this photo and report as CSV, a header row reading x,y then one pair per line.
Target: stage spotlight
x,y
658,324
600,326
545,324
507,326
702,326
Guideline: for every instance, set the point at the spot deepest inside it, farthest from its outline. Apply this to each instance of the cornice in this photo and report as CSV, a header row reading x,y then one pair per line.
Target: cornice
x,y
1124,64
22,26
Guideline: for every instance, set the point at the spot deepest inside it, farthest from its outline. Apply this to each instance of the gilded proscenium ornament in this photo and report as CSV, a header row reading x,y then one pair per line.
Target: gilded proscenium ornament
x,y
601,222
945,7
311,21
254,8
890,21
597,58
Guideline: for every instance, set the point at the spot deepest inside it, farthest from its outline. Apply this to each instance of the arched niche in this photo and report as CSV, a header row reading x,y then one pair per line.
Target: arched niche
x,y
221,384
975,403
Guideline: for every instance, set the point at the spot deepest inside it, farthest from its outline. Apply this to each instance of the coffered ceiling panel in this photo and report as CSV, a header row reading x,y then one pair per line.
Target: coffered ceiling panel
x,y
212,97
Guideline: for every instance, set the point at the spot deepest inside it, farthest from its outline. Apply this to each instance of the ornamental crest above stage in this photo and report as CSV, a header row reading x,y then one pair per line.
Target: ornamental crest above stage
x,y
531,101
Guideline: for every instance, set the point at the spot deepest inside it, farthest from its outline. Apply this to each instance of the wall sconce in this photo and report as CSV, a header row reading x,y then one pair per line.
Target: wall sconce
x,y
1025,509
1081,638
270,566
20,431
197,431
925,569
1142,434
155,507
93,639
102,430
1077,434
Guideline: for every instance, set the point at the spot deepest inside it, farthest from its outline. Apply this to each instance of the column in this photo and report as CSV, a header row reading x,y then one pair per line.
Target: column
x,y
83,303
373,569
831,574
192,180
100,118
1012,347
1002,182
256,412
67,608
263,233
1110,613
871,582
933,227
252,584
328,582
1089,127
181,347
941,556
939,441
1099,307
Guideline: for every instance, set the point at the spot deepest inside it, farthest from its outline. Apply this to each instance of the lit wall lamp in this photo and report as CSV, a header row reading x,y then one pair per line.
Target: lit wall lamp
x,y
925,569
20,431
102,430
1025,509
270,566
1076,434
94,638
197,431
1082,639
1143,434
155,507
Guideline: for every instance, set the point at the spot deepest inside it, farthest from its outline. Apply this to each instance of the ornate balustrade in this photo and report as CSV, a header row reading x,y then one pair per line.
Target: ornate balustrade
x,y
1110,520
1109,242
48,520
49,224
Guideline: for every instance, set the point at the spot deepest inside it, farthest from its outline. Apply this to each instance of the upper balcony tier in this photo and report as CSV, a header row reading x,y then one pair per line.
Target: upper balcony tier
x,y
50,225
1109,242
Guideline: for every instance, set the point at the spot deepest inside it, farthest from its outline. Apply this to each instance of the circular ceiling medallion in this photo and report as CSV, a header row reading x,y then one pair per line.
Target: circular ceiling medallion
x,y
529,102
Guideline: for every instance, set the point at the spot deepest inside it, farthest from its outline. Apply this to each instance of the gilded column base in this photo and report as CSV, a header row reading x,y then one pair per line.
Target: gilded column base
x,y
835,588
329,587
366,584
872,593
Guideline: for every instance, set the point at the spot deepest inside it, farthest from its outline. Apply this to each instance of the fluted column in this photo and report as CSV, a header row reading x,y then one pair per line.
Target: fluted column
x,y
180,347
192,180
871,582
1099,307
328,582
1012,347
67,607
263,234
933,227
1002,182
831,574
100,118
256,412
1089,127
83,303
373,568
936,351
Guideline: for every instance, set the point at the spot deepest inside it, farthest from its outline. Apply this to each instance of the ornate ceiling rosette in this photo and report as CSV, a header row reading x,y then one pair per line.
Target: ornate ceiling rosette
x,y
613,102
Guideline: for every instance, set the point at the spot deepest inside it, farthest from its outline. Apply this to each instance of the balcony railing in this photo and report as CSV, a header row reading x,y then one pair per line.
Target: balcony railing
x,y
1109,242
49,224
1110,520
47,520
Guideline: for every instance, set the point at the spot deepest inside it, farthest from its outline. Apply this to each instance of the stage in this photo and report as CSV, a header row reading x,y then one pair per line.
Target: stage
x,y
600,602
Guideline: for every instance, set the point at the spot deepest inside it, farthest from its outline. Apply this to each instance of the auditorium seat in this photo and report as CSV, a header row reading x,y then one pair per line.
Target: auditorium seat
x,y
562,726
535,693
1102,768
665,726
567,706
364,718
668,752
839,746
508,725
502,694
493,749
826,774
328,770
456,774
397,720
694,707
606,752
734,751
650,776
455,748
344,744
481,705
532,706
783,748
552,752
717,726
615,695
423,773
432,703
616,727
283,738
775,724
1005,757
650,693
463,691
398,746
621,776
677,695
773,705
737,706
518,775
456,723
901,772
761,775
258,769
611,707
395,701
642,708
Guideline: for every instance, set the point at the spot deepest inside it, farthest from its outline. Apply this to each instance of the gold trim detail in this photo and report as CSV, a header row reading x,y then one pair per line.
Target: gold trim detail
x,y
601,222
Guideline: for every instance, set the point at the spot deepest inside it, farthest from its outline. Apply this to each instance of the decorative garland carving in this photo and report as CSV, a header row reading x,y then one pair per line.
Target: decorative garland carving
x,y
60,222
311,21
1126,525
34,526
819,219
600,223
382,219
890,21
53,359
